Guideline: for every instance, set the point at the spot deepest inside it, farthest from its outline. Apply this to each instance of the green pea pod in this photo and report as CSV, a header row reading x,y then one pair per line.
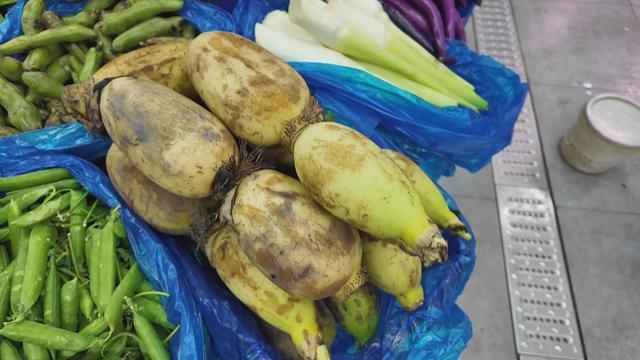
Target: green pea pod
x,y
40,58
5,291
40,177
57,71
145,286
92,250
40,240
105,46
149,338
86,303
21,114
91,64
98,4
126,288
153,311
70,299
10,68
84,18
23,201
107,265
43,212
78,205
75,64
42,84
4,258
34,352
66,33
115,349
67,184
118,228
147,29
46,336
4,233
119,22
8,351
52,296
18,274
31,13
93,329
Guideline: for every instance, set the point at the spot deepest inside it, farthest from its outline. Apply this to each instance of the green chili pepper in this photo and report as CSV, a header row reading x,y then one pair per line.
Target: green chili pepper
x,y
8,351
46,336
153,311
84,18
21,114
126,288
147,29
40,177
98,4
70,299
91,64
44,211
57,71
66,184
42,84
23,201
52,296
119,22
40,240
86,303
149,337
31,13
34,352
10,68
5,291
39,58
66,33
106,264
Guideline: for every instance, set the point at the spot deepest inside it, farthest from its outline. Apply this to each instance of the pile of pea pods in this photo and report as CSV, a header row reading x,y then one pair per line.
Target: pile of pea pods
x,y
69,284
61,50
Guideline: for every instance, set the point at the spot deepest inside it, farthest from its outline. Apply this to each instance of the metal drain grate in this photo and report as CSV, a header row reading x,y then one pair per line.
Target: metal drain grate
x,y
543,315
541,304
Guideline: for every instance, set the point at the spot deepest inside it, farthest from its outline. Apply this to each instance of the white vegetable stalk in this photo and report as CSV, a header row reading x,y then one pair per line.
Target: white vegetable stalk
x,y
279,20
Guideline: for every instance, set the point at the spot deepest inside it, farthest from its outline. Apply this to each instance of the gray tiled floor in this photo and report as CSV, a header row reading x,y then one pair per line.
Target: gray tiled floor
x,y
573,49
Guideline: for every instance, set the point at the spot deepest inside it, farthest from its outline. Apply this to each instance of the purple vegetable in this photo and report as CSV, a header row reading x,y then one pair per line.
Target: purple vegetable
x,y
407,18
432,14
453,24
462,3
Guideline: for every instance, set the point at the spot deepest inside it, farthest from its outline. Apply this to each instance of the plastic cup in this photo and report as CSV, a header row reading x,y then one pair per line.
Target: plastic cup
x,y
606,134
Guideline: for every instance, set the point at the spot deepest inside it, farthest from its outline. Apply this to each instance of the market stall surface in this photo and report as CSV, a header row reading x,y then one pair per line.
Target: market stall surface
x,y
572,50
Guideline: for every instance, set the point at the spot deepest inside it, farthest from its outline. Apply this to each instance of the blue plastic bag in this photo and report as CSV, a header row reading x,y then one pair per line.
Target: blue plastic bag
x,y
153,253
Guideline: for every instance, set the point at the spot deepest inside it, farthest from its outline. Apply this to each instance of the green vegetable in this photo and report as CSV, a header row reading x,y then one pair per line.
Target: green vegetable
x,y
145,30
107,265
84,18
18,272
119,22
34,352
4,258
78,205
145,286
92,5
40,241
5,291
126,288
57,69
52,299
86,303
75,65
8,351
67,33
10,68
21,114
40,58
153,311
105,46
42,84
19,182
149,338
23,201
4,233
46,336
92,251
91,64
31,13
70,300
67,184
43,212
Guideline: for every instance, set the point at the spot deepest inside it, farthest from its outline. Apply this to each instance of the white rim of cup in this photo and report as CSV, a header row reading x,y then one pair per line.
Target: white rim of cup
x,y
588,112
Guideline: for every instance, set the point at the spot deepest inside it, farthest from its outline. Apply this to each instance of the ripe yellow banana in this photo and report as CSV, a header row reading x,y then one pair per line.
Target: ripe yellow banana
x,y
359,314
353,179
432,200
294,241
296,317
394,271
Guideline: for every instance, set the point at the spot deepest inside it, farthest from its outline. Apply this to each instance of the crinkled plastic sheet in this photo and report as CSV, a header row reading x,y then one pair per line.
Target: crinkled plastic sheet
x,y
156,255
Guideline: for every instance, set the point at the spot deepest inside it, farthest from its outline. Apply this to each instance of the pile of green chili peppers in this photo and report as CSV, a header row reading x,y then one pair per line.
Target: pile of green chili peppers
x,y
70,49
69,284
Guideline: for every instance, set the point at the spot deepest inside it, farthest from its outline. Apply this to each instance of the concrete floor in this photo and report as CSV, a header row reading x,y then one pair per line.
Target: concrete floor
x,y
573,49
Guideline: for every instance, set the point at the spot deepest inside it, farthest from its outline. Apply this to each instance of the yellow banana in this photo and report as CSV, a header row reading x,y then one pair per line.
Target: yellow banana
x,y
294,241
354,180
430,196
394,271
296,317
358,315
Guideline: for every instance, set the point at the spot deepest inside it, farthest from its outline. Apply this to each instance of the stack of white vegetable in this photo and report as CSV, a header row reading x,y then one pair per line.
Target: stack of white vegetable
x,y
359,34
